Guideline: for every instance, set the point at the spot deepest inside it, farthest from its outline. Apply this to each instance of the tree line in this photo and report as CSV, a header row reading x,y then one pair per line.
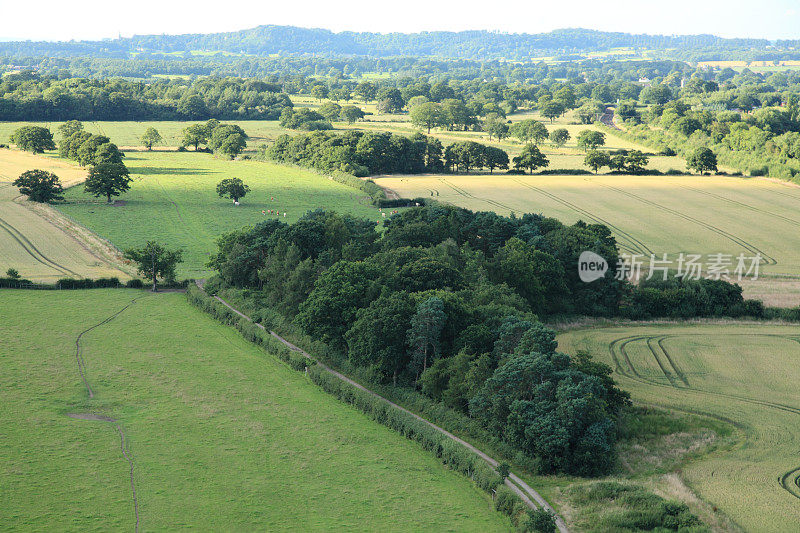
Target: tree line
x,y
31,97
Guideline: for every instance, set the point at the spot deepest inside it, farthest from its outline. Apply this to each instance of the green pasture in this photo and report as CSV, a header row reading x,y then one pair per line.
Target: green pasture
x,y
221,435
173,200
742,374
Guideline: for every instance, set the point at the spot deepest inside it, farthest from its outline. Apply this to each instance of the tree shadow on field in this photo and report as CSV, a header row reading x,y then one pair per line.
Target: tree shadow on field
x,y
145,171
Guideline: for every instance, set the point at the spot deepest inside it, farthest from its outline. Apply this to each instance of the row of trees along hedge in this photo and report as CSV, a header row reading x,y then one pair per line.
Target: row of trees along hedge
x,y
451,453
45,98
449,302
366,153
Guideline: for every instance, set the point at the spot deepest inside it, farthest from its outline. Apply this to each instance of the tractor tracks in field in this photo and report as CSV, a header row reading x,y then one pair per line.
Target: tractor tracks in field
x,y
33,251
519,486
740,204
633,245
766,258
468,194
677,379
103,418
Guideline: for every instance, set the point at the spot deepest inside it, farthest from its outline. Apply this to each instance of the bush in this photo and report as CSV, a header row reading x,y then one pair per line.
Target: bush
x,y
504,500
540,521
134,284
760,171
101,283
674,172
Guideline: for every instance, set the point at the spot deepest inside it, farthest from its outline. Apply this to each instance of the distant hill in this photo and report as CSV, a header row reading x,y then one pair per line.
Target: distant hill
x,y
291,40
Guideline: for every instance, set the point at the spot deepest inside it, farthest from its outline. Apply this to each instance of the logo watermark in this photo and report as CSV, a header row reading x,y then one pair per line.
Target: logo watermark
x,y
635,267
591,266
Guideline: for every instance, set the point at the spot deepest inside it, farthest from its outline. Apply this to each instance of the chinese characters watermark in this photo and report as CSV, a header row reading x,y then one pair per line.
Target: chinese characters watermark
x,y
634,267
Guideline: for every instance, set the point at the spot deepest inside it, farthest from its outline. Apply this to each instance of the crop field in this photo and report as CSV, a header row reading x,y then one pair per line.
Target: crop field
x,y
745,374
189,426
648,214
173,200
32,241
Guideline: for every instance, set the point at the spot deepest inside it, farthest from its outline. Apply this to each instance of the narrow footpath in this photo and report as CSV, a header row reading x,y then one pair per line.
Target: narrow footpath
x,y
532,499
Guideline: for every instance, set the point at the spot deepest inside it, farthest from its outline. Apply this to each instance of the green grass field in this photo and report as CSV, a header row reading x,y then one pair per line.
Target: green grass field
x,y
744,374
648,214
221,435
173,200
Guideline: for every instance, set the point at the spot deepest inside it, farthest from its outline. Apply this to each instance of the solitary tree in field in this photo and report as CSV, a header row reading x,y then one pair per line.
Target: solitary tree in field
x,y
552,110
232,188
591,139
319,92
150,137
702,160
559,137
530,158
40,186
33,139
155,261
108,179
597,160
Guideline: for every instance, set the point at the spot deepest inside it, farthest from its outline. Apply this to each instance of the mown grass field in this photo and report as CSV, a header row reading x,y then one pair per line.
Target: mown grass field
x,y
744,374
33,241
221,435
173,200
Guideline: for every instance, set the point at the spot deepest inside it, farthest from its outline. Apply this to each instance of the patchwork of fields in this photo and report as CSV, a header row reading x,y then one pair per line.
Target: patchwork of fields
x,y
192,427
744,374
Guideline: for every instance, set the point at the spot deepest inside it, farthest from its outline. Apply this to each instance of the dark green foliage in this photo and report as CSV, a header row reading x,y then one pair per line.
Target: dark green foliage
x,y
304,119
40,186
421,305
364,153
107,179
120,99
687,298
33,139
155,261
540,521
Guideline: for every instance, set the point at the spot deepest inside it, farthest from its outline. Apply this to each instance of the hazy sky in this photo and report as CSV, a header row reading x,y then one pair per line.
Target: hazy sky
x,y
93,19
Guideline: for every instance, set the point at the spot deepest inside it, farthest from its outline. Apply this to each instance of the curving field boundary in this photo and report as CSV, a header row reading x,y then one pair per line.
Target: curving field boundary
x,y
789,481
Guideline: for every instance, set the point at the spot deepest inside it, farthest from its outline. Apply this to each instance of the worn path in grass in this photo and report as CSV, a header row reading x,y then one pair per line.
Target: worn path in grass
x,y
522,489
222,437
